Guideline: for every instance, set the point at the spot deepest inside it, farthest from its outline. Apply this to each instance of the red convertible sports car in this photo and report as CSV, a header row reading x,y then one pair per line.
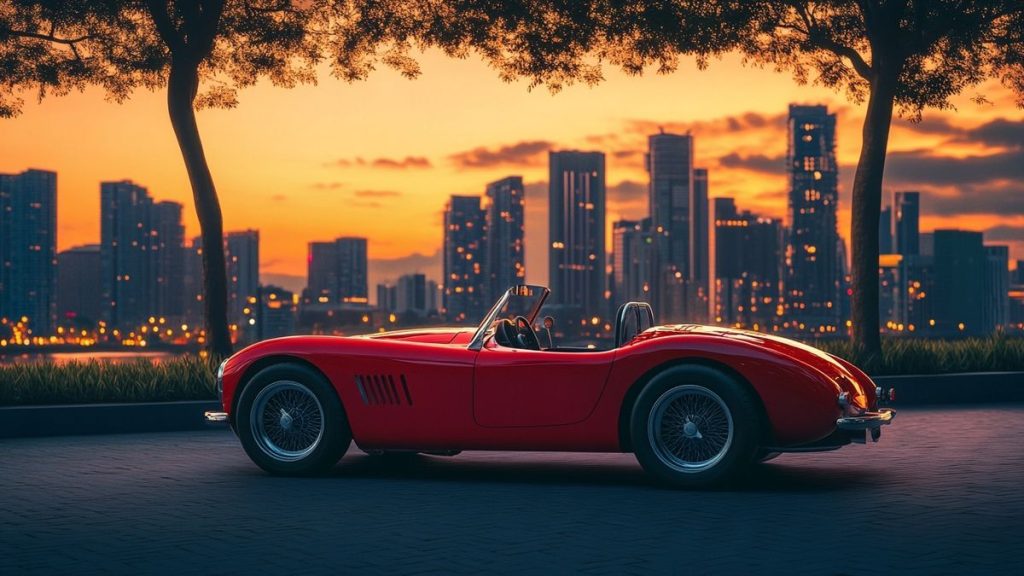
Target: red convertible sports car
x,y
696,404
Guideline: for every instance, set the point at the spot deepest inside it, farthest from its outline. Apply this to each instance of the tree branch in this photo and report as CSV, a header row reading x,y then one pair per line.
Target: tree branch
x,y
164,26
818,37
47,37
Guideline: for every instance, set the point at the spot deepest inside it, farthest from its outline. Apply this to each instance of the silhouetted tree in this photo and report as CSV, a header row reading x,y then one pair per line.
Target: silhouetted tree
x,y
203,51
907,54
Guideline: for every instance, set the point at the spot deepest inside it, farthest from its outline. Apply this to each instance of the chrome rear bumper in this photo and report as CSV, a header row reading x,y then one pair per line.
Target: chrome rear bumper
x,y
215,417
867,420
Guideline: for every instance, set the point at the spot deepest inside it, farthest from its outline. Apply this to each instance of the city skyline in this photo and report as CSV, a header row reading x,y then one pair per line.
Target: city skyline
x,y
332,175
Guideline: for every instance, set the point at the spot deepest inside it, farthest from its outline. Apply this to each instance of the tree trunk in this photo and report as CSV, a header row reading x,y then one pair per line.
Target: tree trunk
x,y
182,86
866,209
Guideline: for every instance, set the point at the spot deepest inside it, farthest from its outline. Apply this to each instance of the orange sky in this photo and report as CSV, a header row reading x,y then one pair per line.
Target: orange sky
x,y
379,158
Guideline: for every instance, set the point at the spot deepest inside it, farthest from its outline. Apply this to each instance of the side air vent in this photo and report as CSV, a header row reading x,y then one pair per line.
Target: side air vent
x,y
383,390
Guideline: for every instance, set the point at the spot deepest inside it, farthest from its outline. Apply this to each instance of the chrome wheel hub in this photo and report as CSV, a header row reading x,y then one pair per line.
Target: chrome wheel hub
x,y
287,421
690,428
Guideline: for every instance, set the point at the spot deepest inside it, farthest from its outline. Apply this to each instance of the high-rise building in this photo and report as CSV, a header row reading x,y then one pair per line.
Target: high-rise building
x,y
632,261
194,313
352,271
997,288
748,252
242,256
387,297
277,313
78,274
167,243
814,270
576,232
142,264
464,248
337,272
885,231
672,202
1018,274
959,282
28,250
505,263
700,243
908,214
411,295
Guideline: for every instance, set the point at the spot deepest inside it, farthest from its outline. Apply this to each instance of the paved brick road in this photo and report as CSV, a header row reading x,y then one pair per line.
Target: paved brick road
x,y
942,493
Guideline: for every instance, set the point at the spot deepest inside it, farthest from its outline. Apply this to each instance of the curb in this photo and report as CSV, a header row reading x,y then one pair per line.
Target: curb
x,y
80,419
76,419
962,388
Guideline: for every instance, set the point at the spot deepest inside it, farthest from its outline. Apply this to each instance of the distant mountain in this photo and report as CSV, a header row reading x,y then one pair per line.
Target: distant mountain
x,y
387,270
286,281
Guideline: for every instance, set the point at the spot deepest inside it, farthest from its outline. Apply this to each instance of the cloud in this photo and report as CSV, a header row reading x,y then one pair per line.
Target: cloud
x,y
1005,233
716,127
327,185
999,132
754,163
278,198
409,162
377,193
627,191
1005,200
526,153
923,167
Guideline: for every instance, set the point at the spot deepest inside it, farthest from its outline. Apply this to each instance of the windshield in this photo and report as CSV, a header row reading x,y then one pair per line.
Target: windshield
x,y
523,300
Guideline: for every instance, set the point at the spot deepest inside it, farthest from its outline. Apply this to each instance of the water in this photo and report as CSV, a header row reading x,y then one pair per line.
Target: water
x,y
114,357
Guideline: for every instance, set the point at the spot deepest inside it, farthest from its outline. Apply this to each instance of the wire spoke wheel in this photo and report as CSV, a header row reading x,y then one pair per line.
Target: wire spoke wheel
x,y
690,428
287,421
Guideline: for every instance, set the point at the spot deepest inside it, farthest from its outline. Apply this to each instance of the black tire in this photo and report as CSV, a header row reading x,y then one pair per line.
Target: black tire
x,y
321,435
693,426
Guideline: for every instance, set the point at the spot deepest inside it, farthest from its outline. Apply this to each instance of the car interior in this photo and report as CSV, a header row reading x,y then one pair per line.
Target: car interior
x,y
631,319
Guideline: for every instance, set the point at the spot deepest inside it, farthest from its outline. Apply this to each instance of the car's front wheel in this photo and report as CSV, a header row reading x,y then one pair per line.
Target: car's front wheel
x,y
693,426
290,421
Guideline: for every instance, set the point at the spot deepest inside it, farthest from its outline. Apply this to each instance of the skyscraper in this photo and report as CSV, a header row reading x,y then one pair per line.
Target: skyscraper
x,y
242,253
28,249
632,255
78,268
337,272
813,278
352,268
194,282
142,265
908,213
464,248
576,220
411,295
885,231
167,242
505,264
671,198
997,288
958,282
748,252
698,286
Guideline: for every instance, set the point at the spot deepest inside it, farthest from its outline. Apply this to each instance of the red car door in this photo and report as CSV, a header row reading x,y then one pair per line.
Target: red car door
x,y
519,388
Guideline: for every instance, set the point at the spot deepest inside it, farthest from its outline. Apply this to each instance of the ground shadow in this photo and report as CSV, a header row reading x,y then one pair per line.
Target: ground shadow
x,y
784,475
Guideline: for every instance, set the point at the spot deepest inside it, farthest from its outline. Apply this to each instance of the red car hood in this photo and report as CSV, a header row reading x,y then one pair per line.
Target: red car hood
x,y
848,377
444,335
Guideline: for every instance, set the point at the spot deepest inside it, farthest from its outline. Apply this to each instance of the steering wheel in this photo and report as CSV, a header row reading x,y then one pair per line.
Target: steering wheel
x,y
506,334
526,338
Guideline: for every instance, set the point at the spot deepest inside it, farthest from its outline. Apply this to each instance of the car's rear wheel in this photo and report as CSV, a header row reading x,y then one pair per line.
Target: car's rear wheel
x,y
291,422
693,426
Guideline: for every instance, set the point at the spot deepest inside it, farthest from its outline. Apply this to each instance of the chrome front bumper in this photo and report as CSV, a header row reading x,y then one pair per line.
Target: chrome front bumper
x,y
215,417
867,420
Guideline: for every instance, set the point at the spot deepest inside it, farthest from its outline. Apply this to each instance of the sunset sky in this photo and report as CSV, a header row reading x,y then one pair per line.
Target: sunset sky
x,y
380,158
